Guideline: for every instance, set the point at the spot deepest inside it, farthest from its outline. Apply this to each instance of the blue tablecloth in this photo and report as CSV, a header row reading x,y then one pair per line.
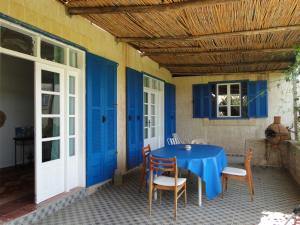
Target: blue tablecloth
x,y
206,161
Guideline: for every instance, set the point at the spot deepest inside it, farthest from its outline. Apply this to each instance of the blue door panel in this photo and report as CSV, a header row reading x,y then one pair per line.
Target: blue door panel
x,y
170,110
101,125
134,115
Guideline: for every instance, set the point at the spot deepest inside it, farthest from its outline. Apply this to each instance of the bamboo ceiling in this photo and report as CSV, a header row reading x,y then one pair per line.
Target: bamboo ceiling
x,y
202,36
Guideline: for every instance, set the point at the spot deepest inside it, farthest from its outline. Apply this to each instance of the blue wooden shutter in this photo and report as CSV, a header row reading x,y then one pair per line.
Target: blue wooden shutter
x,y
201,101
134,115
109,120
170,110
258,99
101,118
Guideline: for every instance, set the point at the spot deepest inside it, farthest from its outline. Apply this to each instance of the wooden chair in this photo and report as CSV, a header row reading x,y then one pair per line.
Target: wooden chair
x,y
244,175
166,183
199,141
144,168
177,139
171,141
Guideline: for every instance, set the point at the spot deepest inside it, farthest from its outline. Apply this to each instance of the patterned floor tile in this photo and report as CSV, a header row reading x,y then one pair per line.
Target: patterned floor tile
x,y
276,194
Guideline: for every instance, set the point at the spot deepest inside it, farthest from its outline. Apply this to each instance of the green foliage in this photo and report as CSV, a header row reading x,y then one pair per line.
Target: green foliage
x,y
293,71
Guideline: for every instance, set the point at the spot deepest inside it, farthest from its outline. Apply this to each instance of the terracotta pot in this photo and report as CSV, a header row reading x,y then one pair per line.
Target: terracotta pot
x,y
276,132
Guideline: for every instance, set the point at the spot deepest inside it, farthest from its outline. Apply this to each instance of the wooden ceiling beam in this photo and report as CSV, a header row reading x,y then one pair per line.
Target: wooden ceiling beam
x,y
210,36
197,65
162,50
197,53
144,8
191,74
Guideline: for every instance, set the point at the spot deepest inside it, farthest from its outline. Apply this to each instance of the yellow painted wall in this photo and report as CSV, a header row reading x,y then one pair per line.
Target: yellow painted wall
x,y
232,134
50,16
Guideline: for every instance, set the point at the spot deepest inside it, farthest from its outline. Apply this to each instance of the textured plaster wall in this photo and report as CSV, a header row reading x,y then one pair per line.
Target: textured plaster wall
x,y
50,16
232,134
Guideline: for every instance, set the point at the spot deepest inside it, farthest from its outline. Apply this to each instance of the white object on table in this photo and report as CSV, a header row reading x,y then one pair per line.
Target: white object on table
x,y
199,191
188,147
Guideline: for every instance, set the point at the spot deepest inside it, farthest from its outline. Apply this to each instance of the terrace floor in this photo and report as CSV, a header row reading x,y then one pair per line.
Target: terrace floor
x,y
276,194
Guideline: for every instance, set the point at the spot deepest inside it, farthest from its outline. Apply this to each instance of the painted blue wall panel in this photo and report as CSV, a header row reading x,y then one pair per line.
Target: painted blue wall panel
x,y
134,103
101,124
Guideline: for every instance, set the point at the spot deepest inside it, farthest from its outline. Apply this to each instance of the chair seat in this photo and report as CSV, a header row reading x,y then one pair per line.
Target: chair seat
x,y
168,181
234,171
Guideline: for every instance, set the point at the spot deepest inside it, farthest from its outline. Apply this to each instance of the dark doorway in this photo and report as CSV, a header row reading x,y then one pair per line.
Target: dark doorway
x,y
16,137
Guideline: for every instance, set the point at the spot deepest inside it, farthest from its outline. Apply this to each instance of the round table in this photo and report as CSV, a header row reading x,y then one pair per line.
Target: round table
x,y
205,161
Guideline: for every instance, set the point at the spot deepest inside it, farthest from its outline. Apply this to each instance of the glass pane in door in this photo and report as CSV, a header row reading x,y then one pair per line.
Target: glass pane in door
x,y
50,127
50,81
50,104
50,150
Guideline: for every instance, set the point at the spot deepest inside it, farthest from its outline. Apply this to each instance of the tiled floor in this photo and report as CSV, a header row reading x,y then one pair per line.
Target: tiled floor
x,y
16,192
276,194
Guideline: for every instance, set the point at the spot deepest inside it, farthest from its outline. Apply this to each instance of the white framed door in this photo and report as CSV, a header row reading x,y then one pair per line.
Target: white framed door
x,y
152,112
72,130
49,131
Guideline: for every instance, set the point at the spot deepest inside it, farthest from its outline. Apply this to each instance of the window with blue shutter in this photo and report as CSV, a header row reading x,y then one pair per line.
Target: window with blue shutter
x,y
253,97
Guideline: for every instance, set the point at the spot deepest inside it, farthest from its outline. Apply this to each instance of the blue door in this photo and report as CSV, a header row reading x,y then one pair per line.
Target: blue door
x,y
170,110
101,87
134,106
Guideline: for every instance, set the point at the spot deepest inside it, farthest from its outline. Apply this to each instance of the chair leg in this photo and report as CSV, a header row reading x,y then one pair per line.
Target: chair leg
x,y
223,185
175,204
252,185
226,183
250,188
142,181
185,195
150,199
160,196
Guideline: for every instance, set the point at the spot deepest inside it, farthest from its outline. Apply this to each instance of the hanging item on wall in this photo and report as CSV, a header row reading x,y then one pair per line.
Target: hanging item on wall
x,y
2,118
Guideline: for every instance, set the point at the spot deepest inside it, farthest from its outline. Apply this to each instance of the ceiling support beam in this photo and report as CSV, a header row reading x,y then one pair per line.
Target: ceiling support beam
x,y
211,36
174,50
246,51
144,8
262,63
192,74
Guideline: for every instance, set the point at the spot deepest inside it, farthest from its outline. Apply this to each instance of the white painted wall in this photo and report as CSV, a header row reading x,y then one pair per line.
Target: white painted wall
x,y
17,102
231,134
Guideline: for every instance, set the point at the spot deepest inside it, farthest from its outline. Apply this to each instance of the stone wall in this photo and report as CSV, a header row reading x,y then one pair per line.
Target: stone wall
x,y
286,155
232,134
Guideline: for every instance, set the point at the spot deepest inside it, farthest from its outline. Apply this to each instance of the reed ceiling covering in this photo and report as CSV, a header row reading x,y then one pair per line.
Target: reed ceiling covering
x,y
199,37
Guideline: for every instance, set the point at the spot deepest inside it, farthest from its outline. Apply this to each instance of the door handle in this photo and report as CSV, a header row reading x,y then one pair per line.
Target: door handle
x,y
103,119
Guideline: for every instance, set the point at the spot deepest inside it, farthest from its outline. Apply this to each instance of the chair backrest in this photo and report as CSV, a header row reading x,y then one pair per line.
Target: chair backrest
x,y
146,152
247,162
171,141
177,139
198,141
160,165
